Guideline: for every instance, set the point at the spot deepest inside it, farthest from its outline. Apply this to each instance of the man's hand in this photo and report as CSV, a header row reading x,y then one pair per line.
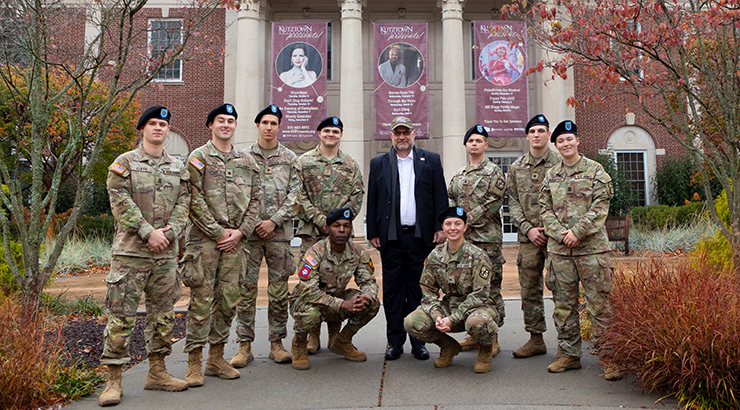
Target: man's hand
x,y
229,240
265,228
443,324
537,236
375,242
439,237
570,239
157,242
356,304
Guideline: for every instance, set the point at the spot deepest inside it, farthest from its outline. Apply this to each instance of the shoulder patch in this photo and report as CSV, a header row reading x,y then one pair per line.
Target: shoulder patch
x,y
311,261
500,184
484,272
117,168
196,163
370,262
305,270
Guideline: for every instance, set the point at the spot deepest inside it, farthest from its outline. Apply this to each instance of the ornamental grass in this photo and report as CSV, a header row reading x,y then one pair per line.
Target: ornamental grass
x,y
678,330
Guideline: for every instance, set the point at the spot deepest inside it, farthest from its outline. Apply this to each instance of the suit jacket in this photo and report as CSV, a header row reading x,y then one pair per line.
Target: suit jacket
x,y
430,192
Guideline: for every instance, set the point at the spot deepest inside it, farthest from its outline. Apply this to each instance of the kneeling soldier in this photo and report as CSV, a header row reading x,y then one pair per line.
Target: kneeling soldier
x,y
322,293
462,272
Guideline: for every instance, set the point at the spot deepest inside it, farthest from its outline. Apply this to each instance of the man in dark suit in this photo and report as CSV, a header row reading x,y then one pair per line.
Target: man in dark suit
x,y
406,192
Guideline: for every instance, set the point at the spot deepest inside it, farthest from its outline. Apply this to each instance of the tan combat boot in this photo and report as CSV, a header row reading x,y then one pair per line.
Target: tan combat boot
x,y
278,352
564,363
534,346
483,362
334,328
159,379
217,366
113,390
314,340
449,349
496,349
300,355
612,372
194,374
468,344
342,345
243,356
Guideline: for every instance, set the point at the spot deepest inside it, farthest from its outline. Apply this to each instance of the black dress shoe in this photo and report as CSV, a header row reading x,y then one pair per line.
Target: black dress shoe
x,y
420,352
393,352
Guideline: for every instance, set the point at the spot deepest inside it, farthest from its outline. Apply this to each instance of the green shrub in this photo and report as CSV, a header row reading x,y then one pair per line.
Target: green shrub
x,y
716,251
624,199
59,305
660,216
677,179
101,226
76,380
677,330
8,284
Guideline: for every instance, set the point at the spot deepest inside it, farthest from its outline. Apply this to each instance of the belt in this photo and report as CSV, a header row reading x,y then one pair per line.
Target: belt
x,y
408,228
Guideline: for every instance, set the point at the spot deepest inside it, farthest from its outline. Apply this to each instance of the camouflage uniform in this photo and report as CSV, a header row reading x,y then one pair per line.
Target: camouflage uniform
x,y
280,187
324,277
577,198
524,181
225,194
326,184
479,190
464,279
146,193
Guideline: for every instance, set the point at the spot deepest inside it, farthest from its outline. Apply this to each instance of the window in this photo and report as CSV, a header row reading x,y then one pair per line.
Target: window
x,y
632,164
628,34
165,36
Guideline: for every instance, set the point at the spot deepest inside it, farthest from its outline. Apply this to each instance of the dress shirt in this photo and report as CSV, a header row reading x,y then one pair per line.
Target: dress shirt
x,y
406,179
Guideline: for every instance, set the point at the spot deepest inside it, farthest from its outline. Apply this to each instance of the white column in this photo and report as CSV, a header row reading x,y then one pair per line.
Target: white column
x,y
453,87
352,110
247,72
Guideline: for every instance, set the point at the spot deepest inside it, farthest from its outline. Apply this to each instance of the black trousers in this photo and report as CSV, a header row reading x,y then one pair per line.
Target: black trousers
x,y
403,261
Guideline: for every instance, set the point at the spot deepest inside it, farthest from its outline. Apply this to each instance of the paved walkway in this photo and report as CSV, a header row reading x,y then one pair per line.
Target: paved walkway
x,y
335,383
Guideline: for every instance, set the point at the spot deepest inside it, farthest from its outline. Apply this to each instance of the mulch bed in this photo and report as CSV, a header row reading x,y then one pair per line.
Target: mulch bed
x,y
82,339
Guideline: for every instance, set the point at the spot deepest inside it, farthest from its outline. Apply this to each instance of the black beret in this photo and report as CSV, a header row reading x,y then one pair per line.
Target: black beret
x,y
271,109
330,122
565,127
226,109
538,119
339,213
154,112
475,129
453,212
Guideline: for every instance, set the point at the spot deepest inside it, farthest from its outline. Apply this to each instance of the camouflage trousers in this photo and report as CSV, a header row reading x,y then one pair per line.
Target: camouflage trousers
x,y
130,276
596,274
280,265
213,304
531,263
493,250
307,316
480,324
308,241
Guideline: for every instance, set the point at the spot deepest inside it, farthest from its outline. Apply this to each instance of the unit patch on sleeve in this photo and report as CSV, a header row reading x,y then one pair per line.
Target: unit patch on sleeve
x,y
196,163
305,270
117,168
484,272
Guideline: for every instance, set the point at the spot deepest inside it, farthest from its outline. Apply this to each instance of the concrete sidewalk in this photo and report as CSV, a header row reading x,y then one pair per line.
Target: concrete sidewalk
x,y
335,383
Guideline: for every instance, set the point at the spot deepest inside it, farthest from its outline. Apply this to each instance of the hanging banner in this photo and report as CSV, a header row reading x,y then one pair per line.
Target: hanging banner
x,y
401,77
299,51
501,91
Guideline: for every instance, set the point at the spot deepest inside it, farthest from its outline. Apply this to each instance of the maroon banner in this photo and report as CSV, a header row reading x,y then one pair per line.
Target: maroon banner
x,y
401,77
299,77
501,91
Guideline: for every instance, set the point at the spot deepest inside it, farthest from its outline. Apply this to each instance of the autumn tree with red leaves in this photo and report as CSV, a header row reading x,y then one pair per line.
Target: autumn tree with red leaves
x,y
685,55
48,79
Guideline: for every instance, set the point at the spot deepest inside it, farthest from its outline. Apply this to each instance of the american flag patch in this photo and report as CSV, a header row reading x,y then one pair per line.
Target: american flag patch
x,y
196,163
311,261
305,270
117,168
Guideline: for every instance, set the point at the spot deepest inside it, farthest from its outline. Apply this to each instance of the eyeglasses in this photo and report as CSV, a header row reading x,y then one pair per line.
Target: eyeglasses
x,y
399,133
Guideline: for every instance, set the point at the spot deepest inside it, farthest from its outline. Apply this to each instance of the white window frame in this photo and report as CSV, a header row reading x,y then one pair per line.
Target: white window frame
x,y
171,72
510,236
645,173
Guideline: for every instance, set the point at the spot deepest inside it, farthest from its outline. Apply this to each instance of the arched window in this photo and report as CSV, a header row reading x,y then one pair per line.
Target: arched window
x,y
634,152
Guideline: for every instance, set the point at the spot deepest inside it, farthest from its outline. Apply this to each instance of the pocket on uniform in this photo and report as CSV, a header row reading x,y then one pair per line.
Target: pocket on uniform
x,y
243,262
191,271
117,272
607,272
550,281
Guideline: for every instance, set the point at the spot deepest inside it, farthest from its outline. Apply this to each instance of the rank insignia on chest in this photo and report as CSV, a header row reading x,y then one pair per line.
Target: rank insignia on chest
x,y
535,176
196,163
569,190
311,261
117,168
229,173
484,273
305,270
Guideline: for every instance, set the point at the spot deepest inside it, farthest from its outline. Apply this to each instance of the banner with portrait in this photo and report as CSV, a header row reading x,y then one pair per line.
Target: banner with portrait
x,y
501,91
299,52
401,76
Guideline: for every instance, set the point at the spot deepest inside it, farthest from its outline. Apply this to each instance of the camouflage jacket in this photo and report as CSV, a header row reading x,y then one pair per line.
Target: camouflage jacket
x,y
576,198
479,190
327,184
324,274
147,193
523,184
463,278
280,190
225,191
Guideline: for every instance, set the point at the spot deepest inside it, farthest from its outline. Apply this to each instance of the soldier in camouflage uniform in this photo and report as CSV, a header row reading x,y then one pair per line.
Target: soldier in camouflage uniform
x,y
224,209
270,239
149,198
524,180
461,272
322,293
330,179
575,203
479,190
